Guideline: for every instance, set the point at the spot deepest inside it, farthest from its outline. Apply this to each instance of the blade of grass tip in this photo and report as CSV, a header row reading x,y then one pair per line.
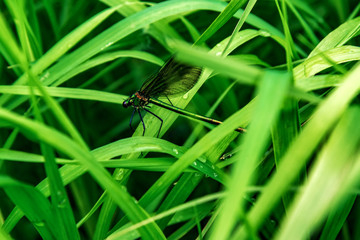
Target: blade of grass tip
x,y
295,158
354,12
224,16
240,23
268,106
92,211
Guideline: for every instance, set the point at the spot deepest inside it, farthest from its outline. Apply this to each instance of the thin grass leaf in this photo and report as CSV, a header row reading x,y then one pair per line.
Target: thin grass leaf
x,y
72,93
254,143
104,127
319,81
287,127
64,144
191,204
338,37
107,57
104,153
323,119
224,16
52,17
17,9
9,47
337,218
34,205
326,180
319,62
241,21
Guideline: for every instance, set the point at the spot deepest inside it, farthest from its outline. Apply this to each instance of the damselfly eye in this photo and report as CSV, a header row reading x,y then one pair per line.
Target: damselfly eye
x,y
126,103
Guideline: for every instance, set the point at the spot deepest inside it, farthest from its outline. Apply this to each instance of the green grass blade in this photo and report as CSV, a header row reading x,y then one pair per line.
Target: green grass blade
x,y
338,37
64,144
295,158
17,9
107,57
318,63
72,93
9,47
254,143
337,218
225,15
60,201
327,180
122,147
34,205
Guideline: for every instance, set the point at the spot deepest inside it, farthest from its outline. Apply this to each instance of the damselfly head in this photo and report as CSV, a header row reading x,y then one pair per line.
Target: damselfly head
x,y
128,102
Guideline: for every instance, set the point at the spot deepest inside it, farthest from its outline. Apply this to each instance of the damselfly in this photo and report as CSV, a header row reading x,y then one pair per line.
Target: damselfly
x,y
174,78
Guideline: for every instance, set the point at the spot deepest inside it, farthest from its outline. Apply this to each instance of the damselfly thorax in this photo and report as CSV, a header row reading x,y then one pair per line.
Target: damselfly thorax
x,y
136,100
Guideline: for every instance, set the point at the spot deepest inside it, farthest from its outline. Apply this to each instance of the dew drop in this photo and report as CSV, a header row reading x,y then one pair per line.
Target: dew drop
x,y
109,44
203,160
218,53
62,200
265,34
175,151
44,76
39,223
186,95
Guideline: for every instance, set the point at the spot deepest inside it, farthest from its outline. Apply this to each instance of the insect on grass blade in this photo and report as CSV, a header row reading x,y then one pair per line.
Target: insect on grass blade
x,y
174,78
